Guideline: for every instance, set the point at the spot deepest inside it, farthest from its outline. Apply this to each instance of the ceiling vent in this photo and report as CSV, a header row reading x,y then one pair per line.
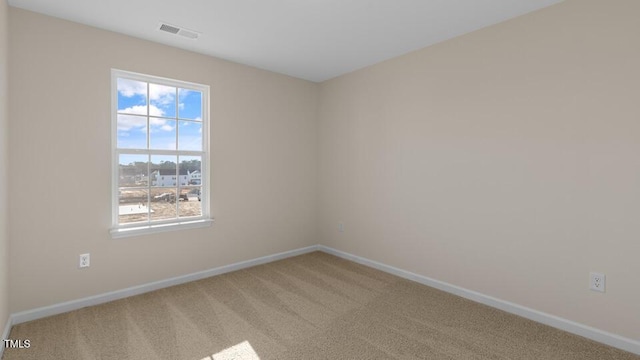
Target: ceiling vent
x,y
176,30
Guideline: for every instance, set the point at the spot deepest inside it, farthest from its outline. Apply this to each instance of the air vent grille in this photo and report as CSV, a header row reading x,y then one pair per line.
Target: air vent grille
x,y
176,30
169,28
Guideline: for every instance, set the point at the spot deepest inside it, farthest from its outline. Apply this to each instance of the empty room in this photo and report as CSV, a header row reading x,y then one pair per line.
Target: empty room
x,y
278,179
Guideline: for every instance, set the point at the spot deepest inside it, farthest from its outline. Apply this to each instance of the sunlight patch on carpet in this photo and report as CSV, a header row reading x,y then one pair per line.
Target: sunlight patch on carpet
x,y
241,351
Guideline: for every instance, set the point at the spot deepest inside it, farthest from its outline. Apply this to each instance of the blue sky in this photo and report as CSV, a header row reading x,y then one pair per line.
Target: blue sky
x,y
158,104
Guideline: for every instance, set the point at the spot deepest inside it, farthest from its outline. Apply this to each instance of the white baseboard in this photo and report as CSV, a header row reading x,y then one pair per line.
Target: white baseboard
x,y
5,334
604,337
588,332
60,308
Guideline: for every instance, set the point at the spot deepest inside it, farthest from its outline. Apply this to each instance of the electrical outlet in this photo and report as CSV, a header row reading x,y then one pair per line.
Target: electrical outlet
x,y
85,260
341,227
597,282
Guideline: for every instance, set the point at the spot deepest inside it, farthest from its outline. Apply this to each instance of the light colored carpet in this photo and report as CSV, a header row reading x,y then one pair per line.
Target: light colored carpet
x,y
314,306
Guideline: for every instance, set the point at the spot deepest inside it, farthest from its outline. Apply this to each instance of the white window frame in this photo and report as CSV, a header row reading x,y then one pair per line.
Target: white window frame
x,y
155,226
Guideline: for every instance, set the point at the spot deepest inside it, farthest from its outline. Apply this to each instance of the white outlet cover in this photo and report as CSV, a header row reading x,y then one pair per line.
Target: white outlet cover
x,y
597,282
85,260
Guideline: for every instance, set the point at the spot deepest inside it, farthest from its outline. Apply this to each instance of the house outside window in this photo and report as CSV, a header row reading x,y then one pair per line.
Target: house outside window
x,y
160,147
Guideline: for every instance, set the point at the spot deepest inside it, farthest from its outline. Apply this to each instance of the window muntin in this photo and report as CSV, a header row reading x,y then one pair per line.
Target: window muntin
x,y
160,151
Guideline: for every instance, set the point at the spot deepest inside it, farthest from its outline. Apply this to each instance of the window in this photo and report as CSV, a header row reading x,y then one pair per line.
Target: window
x,y
160,133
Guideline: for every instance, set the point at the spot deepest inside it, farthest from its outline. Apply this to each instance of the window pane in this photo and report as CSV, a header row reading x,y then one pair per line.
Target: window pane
x,y
133,205
132,96
163,203
190,201
162,100
191,169
190,106
190,135
163,170
162,134
156,122
133,170
132,132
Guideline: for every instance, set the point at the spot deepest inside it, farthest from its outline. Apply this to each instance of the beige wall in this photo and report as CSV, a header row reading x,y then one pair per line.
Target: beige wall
x,y
505,161
263,163
4,201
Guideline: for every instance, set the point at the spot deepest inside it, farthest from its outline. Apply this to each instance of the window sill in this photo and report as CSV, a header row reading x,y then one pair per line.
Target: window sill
x,y
159,228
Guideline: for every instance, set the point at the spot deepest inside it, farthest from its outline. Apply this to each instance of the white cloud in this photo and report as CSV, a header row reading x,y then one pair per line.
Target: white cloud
x,y
142,110
159,93
128,122
184,93
138,109
129,88
155,111
162,95
161,124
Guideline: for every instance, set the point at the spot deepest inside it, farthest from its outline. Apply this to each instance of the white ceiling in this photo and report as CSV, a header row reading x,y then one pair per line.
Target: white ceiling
x,y
310,39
